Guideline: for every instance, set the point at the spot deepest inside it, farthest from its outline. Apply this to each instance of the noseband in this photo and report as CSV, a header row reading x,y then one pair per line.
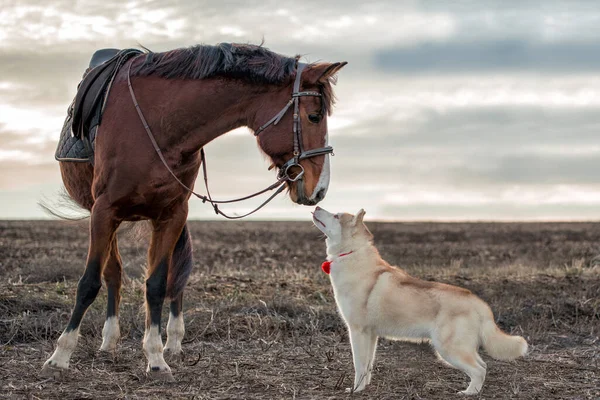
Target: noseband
x,y
299,152
283,174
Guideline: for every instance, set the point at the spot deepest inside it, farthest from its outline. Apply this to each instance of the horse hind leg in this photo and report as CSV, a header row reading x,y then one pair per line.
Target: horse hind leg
x,y
112,275
179,271
165,236
103,226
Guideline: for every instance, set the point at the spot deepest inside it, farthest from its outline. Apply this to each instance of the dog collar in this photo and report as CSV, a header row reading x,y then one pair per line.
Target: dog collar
x,y
326,266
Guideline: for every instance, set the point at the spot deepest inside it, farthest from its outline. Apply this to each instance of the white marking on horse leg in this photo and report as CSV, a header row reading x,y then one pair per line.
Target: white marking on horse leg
x,y
66,344
153,348
323,183
110,334
175,333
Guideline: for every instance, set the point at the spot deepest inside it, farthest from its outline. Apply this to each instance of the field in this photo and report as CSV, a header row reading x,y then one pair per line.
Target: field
x,y
261,321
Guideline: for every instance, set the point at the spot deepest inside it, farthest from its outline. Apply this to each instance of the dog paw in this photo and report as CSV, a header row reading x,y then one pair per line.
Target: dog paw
x,y
468,393
352,390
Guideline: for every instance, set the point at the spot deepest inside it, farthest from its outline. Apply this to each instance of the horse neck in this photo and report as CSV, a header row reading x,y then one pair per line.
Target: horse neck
x,y
194,112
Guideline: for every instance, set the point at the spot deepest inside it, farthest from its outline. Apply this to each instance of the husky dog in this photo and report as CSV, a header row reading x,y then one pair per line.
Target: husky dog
x,y
376,299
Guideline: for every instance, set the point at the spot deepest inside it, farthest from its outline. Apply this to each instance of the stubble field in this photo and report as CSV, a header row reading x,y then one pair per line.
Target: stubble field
x,y
261,321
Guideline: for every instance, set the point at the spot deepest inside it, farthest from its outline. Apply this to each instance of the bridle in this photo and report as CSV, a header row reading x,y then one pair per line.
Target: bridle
x,y
299,152
283,175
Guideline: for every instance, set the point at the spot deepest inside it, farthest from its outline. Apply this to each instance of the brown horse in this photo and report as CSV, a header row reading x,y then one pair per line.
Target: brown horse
x,y
189,97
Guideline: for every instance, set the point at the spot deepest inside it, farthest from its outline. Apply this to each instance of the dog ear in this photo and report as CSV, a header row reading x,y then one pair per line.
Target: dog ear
x,y
359,216
360,227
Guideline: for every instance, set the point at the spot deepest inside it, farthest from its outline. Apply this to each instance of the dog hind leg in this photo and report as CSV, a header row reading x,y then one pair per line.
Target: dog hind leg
x,y
458,347
466,361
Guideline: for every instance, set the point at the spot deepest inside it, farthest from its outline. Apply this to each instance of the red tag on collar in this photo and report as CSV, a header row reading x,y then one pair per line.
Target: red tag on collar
x,y
326,267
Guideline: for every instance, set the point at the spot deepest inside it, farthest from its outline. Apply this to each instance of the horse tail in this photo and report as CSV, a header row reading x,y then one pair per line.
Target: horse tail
x,y
181,264
76,200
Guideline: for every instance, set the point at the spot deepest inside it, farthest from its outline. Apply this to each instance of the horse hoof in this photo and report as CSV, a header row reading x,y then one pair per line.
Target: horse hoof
x,y
106,355
52,371
161,376
108,349
173,356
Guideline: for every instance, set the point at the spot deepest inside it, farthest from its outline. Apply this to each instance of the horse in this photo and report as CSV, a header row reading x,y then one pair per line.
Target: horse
x,y
162,109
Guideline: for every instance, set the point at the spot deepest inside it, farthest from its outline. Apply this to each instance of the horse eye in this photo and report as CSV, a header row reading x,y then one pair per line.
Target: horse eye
x,y
315,118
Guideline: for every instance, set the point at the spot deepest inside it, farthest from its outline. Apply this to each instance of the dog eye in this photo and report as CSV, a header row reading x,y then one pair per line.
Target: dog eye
x,y
315,118
336,216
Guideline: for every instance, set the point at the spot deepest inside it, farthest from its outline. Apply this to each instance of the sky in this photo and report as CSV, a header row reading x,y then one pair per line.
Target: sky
x,y
462,110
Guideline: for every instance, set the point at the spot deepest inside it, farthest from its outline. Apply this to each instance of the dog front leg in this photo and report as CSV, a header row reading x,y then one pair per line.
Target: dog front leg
x,y
362,354
371,349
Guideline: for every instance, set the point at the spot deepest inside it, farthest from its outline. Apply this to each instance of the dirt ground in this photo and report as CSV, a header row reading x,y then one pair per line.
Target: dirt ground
x,y
261,321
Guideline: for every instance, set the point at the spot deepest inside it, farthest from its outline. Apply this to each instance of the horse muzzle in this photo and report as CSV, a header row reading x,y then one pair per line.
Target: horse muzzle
x,y
301,197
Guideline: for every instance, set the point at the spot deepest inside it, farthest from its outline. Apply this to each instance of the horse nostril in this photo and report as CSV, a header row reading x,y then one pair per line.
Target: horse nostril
x,y
320,195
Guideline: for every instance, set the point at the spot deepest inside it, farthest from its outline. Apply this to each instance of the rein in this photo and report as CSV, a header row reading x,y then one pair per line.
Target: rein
x,y
282,176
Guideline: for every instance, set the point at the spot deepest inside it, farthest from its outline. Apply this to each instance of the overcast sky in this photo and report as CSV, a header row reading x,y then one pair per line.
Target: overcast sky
x,y
446,111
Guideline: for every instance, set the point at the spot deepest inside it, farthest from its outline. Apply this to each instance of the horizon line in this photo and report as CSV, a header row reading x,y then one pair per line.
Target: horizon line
x,y
376,220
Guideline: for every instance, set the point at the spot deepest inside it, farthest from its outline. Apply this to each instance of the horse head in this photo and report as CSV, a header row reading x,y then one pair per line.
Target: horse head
x,y
295,138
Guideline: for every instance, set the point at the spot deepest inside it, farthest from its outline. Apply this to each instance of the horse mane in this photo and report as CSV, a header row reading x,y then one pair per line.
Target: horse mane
x,y
256,64
251,63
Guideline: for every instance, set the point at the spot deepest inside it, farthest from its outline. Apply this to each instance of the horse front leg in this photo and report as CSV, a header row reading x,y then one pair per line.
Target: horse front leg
x,y
164,238
175,329
103,226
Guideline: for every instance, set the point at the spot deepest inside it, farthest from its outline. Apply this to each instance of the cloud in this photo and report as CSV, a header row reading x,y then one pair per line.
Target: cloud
x,y
473,147
445,110
504,56
505,129
487,212
534,170
19,175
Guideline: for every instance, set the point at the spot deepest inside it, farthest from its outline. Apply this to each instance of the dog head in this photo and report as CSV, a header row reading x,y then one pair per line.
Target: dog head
x,y
343,230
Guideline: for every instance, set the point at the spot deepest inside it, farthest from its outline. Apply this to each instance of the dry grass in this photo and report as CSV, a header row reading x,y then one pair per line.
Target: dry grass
x,y
261,321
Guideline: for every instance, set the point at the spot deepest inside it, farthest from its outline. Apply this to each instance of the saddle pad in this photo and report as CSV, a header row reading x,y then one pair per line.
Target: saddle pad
x,y
74,149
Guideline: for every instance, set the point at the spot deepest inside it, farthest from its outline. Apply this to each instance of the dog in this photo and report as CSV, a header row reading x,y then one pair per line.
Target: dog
x,y
376,300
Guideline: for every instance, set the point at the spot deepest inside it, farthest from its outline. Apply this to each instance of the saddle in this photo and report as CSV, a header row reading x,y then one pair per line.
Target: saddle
x,y
84,115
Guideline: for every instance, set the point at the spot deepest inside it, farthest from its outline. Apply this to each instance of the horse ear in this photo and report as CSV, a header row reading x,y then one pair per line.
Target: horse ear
x,y
321,72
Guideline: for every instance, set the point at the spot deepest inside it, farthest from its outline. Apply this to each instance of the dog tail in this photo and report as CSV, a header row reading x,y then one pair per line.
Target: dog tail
x,y
498,344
